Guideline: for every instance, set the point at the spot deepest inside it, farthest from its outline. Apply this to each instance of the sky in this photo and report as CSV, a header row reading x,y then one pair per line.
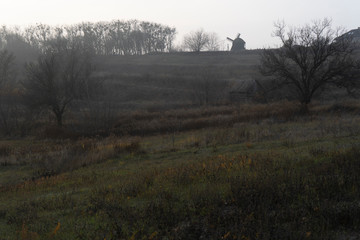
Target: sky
x,y
254,19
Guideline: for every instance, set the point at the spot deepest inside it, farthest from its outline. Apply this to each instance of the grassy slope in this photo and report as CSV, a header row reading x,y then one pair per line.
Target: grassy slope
x,y
255,180
246,58
170,78
259,174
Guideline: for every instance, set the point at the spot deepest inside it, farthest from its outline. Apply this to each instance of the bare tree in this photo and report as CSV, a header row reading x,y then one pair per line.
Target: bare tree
x,y
312,57
213,43
207,88
102,38
60,76
8,113
196,41
7,61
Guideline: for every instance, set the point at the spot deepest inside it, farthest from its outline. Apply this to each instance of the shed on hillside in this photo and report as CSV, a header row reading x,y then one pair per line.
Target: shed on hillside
x,y
243,91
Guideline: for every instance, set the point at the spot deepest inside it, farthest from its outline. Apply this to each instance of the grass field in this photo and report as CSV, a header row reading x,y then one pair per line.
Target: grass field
x,y
170,80
258,172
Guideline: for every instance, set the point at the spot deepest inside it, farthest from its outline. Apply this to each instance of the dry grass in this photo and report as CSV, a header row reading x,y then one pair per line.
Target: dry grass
x,y
245,197
258,172
147,123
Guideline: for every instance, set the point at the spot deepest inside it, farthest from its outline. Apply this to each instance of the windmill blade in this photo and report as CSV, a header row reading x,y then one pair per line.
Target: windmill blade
x,y
238,36
229,39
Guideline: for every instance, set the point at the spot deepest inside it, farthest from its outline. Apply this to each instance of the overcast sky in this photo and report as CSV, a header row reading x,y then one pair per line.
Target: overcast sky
x,y
253,18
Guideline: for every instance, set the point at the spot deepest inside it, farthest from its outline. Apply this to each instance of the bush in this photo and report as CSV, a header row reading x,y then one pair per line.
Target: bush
x,y
131,145
5,150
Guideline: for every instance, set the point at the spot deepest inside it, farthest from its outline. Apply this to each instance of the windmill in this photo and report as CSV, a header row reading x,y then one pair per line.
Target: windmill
x,y
238,44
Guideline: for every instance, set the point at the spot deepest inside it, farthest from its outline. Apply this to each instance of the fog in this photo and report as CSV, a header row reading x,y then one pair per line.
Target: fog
x,y
253,19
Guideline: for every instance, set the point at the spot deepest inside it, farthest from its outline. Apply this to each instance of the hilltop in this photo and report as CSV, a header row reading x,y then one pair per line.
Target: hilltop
x,y
152,63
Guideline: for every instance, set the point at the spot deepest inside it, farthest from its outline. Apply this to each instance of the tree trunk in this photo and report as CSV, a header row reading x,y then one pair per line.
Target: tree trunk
x,y
306,99
59,115
59,120
304,109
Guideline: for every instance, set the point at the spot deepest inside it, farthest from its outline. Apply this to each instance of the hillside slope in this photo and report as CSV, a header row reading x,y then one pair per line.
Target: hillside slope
x,y
175,78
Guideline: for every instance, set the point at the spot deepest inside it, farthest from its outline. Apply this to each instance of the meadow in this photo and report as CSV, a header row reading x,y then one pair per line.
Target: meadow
x,y
107,134
165,81
239,171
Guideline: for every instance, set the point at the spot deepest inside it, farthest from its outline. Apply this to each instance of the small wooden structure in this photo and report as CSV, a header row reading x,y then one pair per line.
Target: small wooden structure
x,y
243,91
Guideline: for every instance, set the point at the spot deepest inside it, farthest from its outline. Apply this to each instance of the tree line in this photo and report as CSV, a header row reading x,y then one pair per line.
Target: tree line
x,y
117,37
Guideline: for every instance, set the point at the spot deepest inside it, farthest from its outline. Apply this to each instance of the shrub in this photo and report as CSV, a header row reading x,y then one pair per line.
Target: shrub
x,y
5,150
131,145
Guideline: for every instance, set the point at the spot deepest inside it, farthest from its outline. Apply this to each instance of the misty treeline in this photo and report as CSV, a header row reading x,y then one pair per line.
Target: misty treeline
x,y
58,73
117,37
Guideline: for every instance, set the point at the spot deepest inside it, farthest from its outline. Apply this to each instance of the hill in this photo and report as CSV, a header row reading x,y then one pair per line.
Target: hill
x,y
236,171
170,79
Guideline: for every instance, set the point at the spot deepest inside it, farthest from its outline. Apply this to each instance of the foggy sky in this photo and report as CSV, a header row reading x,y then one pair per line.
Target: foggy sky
x,y
254,19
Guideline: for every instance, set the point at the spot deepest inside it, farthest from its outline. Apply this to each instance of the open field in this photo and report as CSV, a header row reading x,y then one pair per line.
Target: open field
x,y
264,173
172,80
165,154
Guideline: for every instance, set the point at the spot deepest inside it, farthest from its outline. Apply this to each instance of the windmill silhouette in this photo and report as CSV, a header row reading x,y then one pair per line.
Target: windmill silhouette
x,y
238,44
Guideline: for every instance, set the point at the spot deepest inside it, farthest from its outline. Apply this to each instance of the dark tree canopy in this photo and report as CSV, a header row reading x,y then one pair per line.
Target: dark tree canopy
x,y
60,76
311,58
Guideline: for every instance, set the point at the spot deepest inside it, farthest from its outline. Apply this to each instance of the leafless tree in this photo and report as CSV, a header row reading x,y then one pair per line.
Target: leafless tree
x,y
7,61
60,76
101,38
213,43
196,41
207,88
311,58
8,113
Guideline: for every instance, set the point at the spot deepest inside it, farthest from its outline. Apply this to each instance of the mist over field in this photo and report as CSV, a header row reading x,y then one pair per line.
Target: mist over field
x,y
138,129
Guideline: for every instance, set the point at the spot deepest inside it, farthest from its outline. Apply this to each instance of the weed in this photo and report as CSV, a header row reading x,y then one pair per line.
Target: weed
x,y
317,151
131,145
5,150
249,145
